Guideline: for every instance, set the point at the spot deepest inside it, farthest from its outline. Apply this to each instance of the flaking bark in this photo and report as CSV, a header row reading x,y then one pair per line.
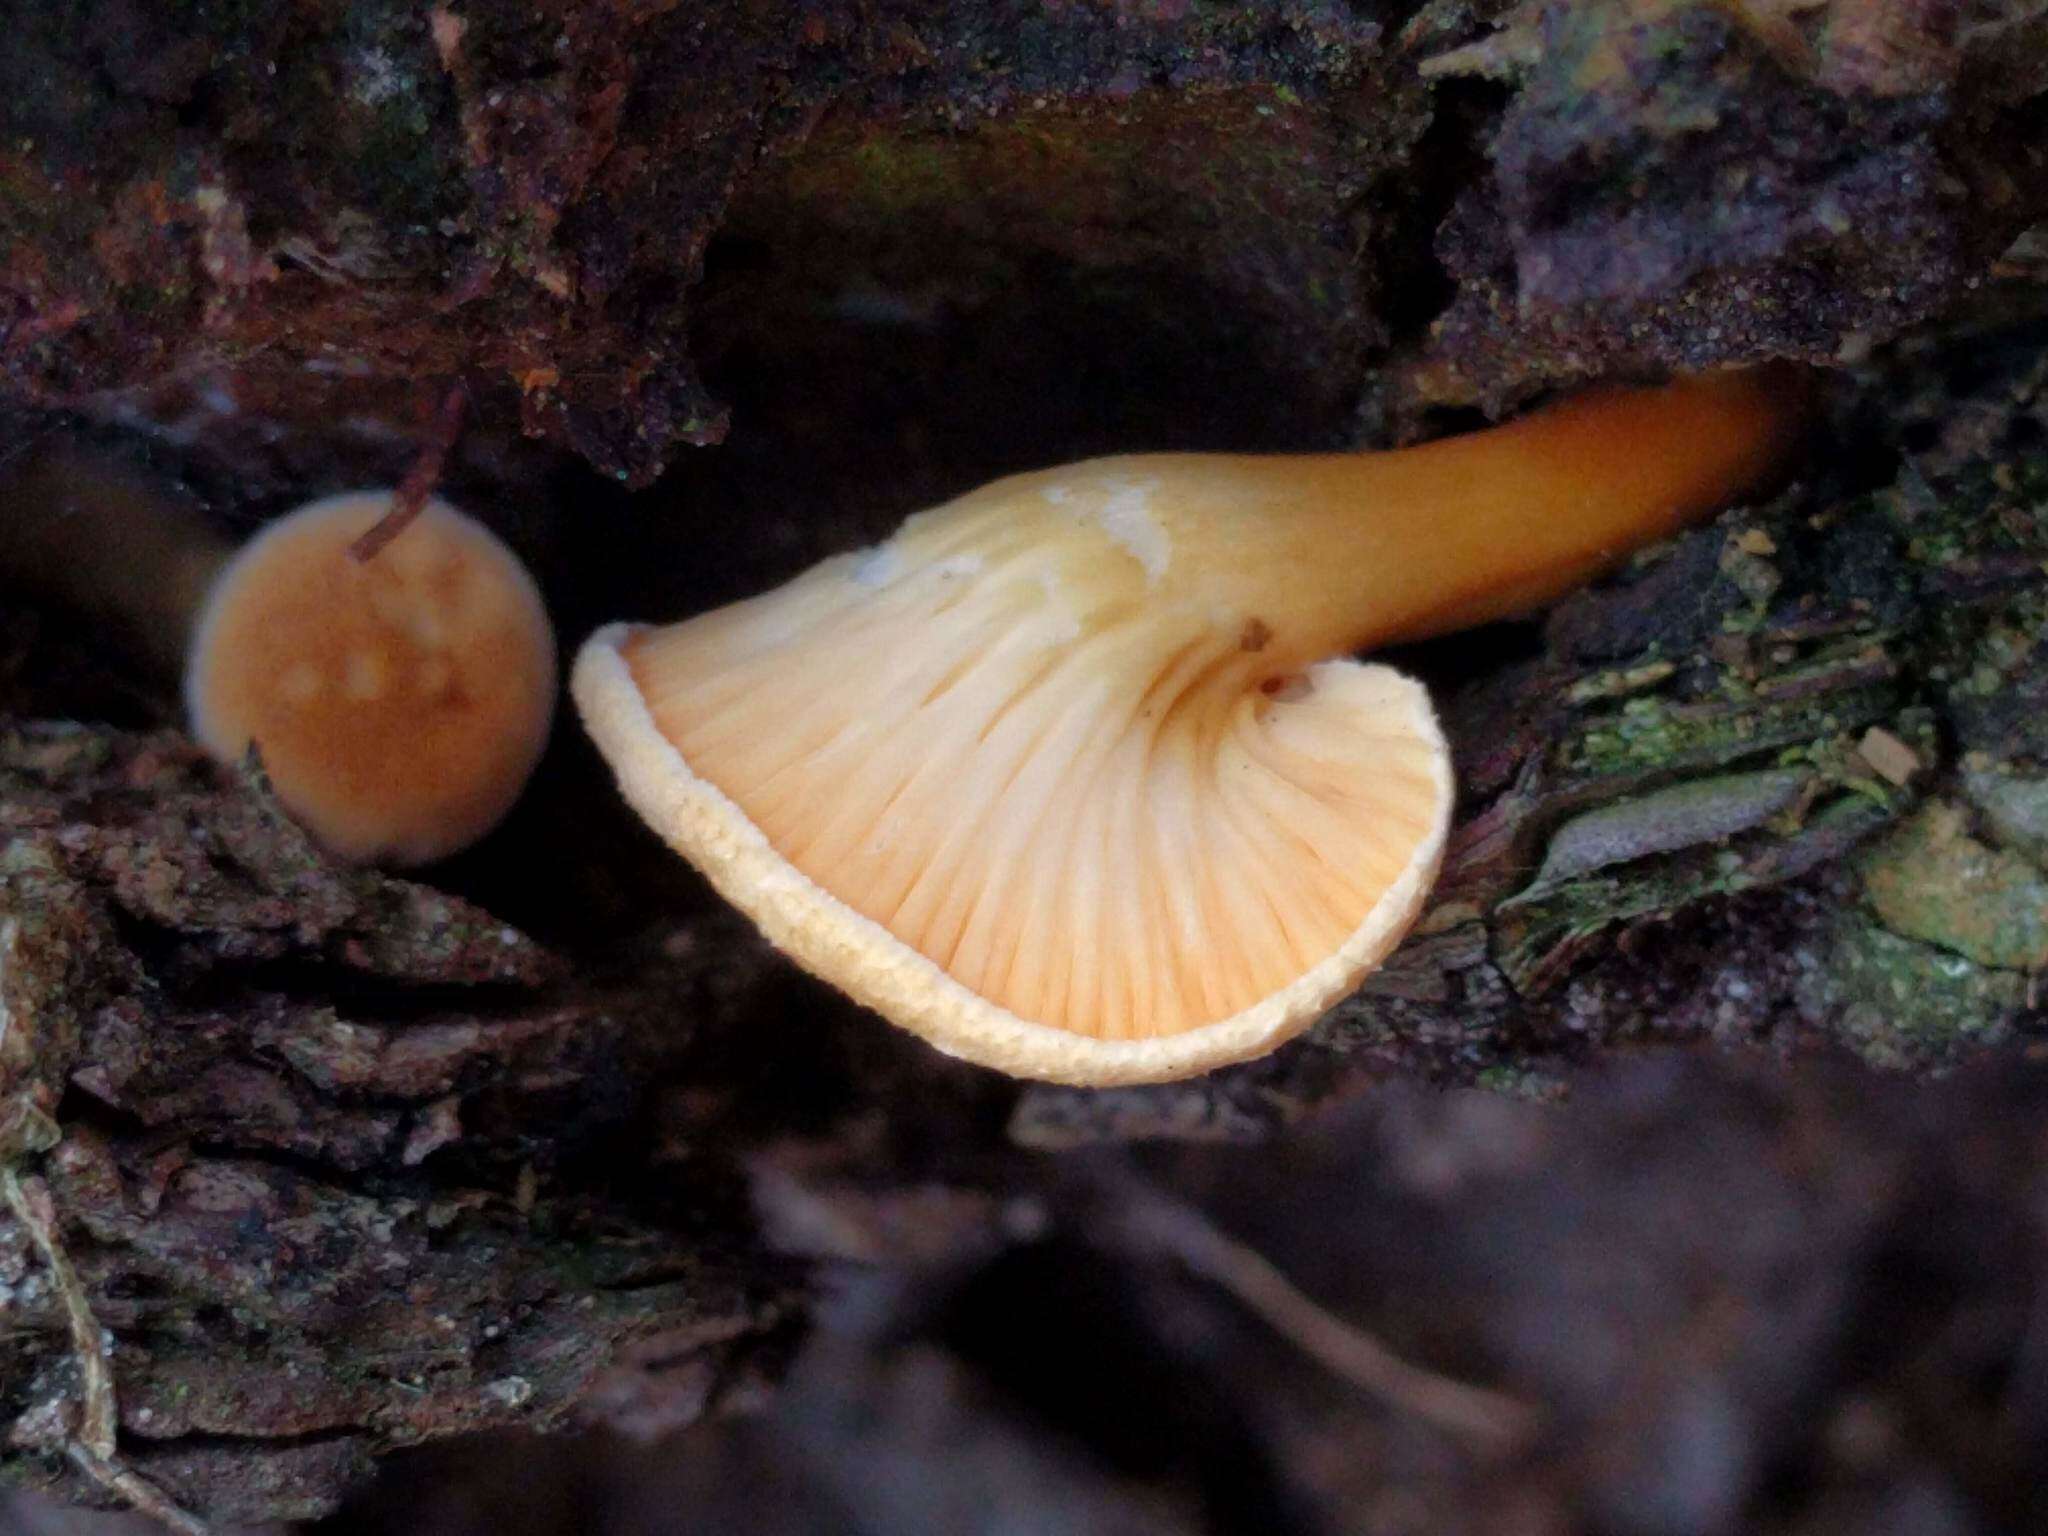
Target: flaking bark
x,y
333,1166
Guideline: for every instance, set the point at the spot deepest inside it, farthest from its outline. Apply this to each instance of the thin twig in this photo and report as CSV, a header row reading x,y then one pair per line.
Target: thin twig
x,y
419,482
141,1494
92,1447
29,1200
1500,1422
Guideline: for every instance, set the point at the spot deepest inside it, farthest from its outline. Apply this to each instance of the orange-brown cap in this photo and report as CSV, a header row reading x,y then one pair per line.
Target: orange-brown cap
x,y
399,703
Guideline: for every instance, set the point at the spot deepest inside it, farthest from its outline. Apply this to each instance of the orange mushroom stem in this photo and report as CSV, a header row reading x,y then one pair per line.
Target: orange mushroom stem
x,y
127,554
1326,554
1020,777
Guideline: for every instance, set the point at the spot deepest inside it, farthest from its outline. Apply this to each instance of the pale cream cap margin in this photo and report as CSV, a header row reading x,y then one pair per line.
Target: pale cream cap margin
x,y
863,959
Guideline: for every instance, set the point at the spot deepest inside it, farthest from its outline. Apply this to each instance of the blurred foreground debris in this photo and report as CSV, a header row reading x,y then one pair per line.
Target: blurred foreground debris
x,y
1741,1304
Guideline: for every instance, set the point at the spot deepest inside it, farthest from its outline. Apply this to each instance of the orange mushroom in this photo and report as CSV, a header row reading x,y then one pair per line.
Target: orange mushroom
x,y
1063,778
399,703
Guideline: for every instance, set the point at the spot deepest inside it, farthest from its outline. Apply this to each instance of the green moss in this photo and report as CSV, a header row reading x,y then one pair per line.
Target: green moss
x,y
1656,733
1899,1003
1989,508
1538,933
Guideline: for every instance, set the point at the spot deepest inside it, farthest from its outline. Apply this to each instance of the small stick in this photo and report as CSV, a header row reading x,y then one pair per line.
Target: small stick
x,y
1501,1422
140,1494
420,480
92,1448
29,1200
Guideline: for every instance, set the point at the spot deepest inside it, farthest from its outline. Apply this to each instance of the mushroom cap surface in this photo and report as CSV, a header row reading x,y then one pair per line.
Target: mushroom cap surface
x,y
1024,781
399,703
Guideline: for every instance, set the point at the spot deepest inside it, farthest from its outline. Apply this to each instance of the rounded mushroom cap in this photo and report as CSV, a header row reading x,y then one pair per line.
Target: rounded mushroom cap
x,y
1012,784
399,703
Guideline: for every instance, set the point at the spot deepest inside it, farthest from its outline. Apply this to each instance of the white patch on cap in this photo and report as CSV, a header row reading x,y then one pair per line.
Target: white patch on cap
x,y
1127,518
878,567
884,565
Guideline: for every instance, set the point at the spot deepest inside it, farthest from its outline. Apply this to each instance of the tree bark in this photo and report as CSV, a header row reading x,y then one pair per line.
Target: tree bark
x,y
345,1163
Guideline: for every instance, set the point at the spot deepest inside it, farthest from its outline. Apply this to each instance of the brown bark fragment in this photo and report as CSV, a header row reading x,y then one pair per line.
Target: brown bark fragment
x,y
307,1100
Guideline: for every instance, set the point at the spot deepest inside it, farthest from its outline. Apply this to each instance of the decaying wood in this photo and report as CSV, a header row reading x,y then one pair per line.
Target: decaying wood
x,y
334,1157
345,1163
1749,1303
337,201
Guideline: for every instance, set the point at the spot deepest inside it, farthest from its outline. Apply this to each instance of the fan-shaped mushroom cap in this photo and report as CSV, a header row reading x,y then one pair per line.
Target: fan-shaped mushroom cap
x,y
1121,878
399,703
1007,782
1058,777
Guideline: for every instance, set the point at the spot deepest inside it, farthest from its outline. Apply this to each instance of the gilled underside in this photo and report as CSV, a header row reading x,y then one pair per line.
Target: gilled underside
x,y
1022,742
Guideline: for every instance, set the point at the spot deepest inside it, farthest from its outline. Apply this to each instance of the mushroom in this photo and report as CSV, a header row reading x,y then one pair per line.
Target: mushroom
x,y
398,703
1064,778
